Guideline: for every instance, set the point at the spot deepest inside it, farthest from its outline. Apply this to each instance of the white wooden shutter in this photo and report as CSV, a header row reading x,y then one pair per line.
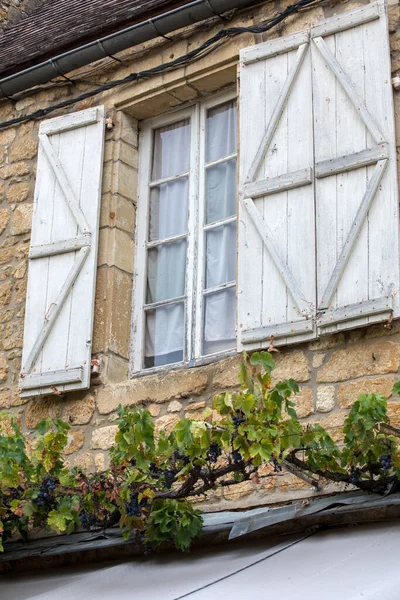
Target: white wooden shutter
x,y
276,266
63,254
317,126
355,168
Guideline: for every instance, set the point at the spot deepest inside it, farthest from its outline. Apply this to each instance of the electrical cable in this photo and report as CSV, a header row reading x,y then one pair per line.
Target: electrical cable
x,y
194,54
260,560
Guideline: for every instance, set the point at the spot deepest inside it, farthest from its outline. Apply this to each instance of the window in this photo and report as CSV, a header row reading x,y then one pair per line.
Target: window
x,y
185,284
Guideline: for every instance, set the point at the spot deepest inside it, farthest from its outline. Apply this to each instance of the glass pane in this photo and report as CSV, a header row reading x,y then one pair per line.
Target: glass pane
x,y
221,255
221,131
164,335
219,321
171,150
168,209
166,268
221,191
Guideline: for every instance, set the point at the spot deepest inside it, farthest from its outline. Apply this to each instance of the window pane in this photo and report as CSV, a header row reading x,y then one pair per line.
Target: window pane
x,y
166,268
221,131
171,150
168,209
219,321
221,255
164,335
221,191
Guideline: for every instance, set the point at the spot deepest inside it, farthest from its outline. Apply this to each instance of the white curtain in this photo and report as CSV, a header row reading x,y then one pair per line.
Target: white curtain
x,y
166,265
220,307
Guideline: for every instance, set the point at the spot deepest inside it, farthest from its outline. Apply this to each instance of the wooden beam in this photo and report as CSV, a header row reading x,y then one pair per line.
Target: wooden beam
x,y
278,184
69,122
259,334
350,90
273,48
60,247
353,234
276,115
366,14
356,310
36,380
349,162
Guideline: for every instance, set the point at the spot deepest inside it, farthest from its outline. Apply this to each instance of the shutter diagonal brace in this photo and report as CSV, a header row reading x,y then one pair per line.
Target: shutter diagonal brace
x,y
64,184
353,233
350,89
276,256
55,309
276,115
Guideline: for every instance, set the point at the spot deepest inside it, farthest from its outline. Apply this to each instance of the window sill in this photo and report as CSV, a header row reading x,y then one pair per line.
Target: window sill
x,y
199,362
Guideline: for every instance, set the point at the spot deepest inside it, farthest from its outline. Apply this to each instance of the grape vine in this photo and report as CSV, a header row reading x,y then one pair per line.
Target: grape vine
x,y
153,479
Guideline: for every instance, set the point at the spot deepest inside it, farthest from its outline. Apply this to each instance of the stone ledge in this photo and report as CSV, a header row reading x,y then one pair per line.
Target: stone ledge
x,y
154,388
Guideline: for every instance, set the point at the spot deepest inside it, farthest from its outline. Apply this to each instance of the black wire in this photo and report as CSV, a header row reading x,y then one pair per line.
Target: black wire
x,y
260,560
173,64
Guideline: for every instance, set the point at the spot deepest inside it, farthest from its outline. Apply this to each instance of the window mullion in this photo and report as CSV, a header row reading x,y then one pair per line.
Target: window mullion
x,y
200,235
191,236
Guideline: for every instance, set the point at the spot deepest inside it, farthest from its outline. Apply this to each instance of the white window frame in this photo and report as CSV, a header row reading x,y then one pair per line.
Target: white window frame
x,y
194,296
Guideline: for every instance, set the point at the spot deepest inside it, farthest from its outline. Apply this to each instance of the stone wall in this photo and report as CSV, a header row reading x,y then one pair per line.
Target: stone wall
x,y
331,372
13,10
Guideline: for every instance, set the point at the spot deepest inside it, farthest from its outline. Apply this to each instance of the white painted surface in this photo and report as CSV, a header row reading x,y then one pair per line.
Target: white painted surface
x,y
344,564
63,257
322,112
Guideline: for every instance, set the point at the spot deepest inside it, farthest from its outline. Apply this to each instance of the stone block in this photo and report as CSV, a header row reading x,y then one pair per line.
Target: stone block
x,y
7,136
239,490
154,388
334,424
327,342
117,369
292,364
6,255
23,149
303,402
127,154
79,411
349,392
196,405
227,372
174,406
154,409
3,367
115,249
18,192
75,441
5,399
45,408
21,220
103,438
5,293
360,359
318,359
393,411
125,180
14,170
120,313
85,462
325,398
4,218
166,423
14,335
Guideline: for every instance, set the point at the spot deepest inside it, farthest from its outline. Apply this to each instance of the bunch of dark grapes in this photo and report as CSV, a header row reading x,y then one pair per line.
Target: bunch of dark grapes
x,y
237,457
214,452
132,507
169,477
355,475
386,461
177,456
237,421
45,497
154,470
277,466
132,462
88,520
